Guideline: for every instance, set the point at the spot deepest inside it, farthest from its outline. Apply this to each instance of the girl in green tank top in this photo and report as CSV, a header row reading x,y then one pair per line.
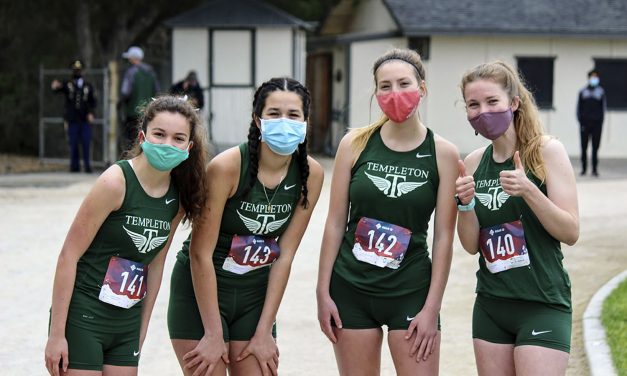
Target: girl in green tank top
x,y
110,267
388,179
261,196
517,202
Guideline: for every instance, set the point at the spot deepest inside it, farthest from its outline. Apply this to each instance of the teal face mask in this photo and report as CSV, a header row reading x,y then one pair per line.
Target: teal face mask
x,y
164,157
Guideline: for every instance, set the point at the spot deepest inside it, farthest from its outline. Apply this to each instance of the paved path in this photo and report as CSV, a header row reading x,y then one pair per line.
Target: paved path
x,y
36,219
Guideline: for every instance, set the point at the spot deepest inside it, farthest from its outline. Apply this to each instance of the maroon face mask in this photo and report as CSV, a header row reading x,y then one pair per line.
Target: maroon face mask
x,y
492,125
399,105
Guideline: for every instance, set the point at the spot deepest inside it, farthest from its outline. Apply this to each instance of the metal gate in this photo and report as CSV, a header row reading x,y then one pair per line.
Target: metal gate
x,y
53,139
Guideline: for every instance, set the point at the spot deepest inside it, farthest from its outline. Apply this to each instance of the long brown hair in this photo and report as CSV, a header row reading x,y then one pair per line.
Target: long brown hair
x,y
189,176
362,135
529,131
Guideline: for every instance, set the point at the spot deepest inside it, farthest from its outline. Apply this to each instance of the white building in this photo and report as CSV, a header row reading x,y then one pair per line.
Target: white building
x,y
234,46
554,43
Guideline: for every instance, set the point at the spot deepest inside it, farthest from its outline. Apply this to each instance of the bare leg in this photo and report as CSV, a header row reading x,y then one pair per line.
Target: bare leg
x,y
537,360
247,366
358,351
109,370
405,364
79,372
182,347
494,358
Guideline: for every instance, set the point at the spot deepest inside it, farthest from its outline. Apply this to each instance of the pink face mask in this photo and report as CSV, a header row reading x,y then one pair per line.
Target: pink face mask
x,y
399,105
492,125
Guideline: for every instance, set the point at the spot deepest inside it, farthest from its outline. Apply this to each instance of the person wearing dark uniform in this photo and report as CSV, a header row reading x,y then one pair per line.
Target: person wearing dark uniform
x,y
229,278
375,269
517,202
190,87
591,105
110,267
78,115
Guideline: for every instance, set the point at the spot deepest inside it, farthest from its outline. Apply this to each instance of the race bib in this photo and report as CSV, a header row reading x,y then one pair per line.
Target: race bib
x,y
380,243
249,253
504,247
124,284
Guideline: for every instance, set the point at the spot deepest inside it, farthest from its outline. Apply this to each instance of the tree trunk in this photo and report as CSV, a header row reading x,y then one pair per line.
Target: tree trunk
x,y
83,33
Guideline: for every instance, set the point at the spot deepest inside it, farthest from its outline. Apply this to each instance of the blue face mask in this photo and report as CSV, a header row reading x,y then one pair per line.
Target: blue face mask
x,y
164,157
283,135
593,81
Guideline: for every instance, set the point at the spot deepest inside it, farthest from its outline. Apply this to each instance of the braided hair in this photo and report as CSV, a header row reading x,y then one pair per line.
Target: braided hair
x,y
254,133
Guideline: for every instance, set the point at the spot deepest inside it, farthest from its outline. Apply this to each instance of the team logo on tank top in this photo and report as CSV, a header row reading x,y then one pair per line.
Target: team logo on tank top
x,y
496,196
147,241
265,223
394,183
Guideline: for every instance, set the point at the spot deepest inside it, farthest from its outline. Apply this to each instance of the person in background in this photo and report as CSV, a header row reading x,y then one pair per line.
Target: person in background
x,y
109,270
190,87
590,113
78,115
517,202
139,86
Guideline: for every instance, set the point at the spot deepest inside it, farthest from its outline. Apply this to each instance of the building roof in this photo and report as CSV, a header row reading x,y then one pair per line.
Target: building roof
x,y
236,13
594,18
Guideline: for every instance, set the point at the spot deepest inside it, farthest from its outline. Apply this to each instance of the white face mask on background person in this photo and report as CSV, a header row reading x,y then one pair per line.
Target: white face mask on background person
x,y
593,81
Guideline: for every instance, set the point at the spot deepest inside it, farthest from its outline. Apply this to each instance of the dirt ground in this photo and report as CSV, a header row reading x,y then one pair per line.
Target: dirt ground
x,y
40,207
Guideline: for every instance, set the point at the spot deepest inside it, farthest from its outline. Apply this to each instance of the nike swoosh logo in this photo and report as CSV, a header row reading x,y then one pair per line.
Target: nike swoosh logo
x,y
410,318
418,155
534,333
135,353
288,187
169,201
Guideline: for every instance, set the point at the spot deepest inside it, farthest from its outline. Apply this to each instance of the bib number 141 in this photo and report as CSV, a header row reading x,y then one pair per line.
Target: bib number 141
x,y
124,284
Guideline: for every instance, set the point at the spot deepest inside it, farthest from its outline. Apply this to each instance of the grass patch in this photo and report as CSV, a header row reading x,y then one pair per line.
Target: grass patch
x,y
614,318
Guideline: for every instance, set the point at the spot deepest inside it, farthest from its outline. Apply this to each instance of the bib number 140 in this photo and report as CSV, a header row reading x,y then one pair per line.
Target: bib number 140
x,y
504,246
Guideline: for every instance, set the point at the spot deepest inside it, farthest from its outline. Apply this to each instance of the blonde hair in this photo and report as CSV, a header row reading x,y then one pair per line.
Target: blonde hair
x,y
411,57
529,131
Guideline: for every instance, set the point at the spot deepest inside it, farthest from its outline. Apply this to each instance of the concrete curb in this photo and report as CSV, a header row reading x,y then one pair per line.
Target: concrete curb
x,y
597,350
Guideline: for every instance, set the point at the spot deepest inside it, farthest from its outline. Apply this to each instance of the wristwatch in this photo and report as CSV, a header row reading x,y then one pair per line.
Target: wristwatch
x,y
461,207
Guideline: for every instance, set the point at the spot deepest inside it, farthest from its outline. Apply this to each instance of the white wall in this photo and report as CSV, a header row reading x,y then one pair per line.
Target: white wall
x,y
373,17
451,56
362,56
231,115
190,51
274,54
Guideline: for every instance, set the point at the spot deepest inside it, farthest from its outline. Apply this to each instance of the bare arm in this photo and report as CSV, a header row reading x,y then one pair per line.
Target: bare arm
x,y
334,230
558,210
105,196
155,275
222,179
262,345
425,322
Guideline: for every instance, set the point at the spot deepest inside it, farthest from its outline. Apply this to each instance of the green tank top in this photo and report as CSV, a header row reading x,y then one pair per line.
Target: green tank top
x,y
392,196
247,216
544,278
137,231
